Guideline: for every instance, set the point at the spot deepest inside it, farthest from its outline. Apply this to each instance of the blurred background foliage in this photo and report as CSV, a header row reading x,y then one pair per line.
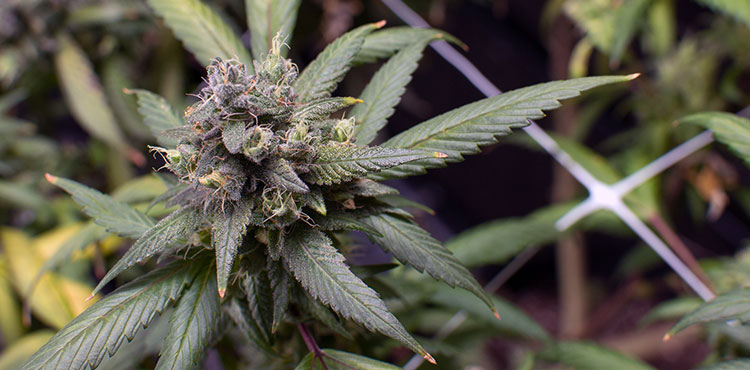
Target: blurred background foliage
x,y
593,297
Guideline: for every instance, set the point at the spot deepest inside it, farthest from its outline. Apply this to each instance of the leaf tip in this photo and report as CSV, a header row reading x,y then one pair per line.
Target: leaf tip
x,y
380,24
440,155
222,292
429,358
127,91
667,337
90,297
52,179
497,315
632,76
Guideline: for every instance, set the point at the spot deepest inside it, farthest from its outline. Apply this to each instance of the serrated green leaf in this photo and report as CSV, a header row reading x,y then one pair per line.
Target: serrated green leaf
x,y
320,78
84,95
322,108
259,295
734,305
281,174
17,353
334,164
730,129
340,220
589,356
158,115
339,360
739,9
383,93
398,201
228,231
101,329
320,269
385,43
323,314
512,319
672,309
240,314
740,364
202,31
280,285
414,246
114,216
463,130
192,323
266,18
173,229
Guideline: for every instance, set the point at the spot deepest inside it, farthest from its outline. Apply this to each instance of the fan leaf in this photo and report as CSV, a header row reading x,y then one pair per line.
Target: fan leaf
x,y
320,269
730,306
729,129
384,43
414,246
173,229
383,93
192,323
202,31
320,78
228,230
463,130
158,115
337,163
101,329
116,217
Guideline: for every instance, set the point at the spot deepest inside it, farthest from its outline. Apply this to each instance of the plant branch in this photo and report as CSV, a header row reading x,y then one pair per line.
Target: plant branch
x,y
311,344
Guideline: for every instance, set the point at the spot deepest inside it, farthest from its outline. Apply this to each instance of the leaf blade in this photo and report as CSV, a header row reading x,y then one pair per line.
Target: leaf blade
x,y
730,129
414,246
107,212
192,324
320,78
383,92
320,269
338,163
158,115
171,229
131,307
202,31
463,130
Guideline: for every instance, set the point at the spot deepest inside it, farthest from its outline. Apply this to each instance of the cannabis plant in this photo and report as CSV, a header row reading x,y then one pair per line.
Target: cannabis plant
x,y
271,174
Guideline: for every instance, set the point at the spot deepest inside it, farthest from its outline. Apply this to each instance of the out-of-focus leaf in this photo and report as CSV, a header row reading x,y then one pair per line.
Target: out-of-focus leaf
x,y
21,196
630,16
84,95
15,355
56,299
124,106
729,129
512,319
202,31
589,356
742,364
730,306
661,29
672,309
10,316
739,9
338,360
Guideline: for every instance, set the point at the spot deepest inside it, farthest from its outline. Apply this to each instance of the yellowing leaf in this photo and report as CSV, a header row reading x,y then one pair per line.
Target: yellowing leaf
x,y
14,356
10,316
56,299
